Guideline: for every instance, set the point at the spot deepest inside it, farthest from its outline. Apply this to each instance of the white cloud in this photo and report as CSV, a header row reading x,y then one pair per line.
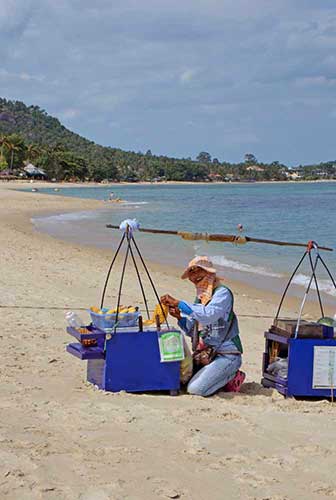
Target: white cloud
x,y
154,66
316,81
23,76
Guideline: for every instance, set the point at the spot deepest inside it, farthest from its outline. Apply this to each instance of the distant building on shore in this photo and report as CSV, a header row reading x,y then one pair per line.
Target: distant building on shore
x,y
293,175
255,168
32,171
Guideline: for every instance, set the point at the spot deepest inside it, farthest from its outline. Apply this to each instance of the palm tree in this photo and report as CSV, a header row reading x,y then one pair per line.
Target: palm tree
x,y
33,151
11,147
4,142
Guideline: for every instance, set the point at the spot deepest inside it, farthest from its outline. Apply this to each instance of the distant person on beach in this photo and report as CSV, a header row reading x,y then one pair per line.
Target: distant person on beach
x,y
113,198
217,350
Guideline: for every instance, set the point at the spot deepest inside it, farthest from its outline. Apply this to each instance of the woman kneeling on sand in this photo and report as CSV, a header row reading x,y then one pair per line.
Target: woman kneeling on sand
x,y
218,356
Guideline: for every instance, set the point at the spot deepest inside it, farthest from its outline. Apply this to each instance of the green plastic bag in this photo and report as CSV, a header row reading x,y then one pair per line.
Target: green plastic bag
x,y
171,346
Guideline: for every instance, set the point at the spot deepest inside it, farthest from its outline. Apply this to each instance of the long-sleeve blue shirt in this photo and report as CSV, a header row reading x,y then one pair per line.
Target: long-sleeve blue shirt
x,y
215,318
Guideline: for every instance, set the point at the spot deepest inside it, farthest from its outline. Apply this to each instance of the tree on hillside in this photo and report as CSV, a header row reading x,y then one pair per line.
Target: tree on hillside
x,y
73,167
34,151
63,165
15,150
11,149
250,158
4,143
203,157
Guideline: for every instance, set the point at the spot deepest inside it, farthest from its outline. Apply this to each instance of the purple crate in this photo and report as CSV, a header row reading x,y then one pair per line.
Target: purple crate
x,y
275,385
95,333
81,352
276,379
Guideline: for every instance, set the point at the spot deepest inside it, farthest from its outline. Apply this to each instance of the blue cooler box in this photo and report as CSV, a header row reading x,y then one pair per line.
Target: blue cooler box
x,y
130,362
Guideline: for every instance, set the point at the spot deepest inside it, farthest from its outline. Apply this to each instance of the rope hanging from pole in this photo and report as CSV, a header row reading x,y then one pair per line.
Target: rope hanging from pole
x,y
312,245
313,267
128,227
151,282
122,279
288,284
305,296
109,271
140,282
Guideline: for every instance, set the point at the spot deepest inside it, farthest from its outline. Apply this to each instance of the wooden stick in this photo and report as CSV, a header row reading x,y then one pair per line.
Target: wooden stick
x,y
231,238
158,324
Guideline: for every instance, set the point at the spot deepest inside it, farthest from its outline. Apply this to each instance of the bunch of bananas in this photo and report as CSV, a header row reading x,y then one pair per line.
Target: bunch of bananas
x,y
160,311
121,310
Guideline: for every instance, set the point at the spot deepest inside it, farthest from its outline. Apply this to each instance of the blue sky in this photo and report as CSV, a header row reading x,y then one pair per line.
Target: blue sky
x,y
180,76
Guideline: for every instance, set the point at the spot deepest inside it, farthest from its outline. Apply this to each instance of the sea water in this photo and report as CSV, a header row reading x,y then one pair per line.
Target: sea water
x,y
296,212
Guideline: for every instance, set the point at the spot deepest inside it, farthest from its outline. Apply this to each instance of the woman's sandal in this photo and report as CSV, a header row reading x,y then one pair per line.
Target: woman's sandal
x,y
235,384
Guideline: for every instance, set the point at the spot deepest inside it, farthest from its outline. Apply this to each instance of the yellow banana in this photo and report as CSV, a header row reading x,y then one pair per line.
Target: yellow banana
x,y
157,312
95,309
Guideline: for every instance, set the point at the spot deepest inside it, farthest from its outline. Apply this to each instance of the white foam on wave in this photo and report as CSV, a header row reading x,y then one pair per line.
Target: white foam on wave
x,y
325,286
66,217
221,260
125,202
301,280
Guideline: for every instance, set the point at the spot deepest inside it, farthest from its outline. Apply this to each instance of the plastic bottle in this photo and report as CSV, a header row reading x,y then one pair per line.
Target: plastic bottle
x,y
73,319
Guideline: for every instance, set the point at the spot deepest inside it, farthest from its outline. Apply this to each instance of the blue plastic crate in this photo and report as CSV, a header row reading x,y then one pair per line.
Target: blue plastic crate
x,y
107,321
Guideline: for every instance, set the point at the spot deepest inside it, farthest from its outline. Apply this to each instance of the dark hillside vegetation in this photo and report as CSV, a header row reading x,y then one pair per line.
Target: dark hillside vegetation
x,y
29,134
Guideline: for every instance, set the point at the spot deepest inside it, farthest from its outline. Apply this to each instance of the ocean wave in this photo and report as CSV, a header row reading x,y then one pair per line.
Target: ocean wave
x,y
325,286
222,261
136,203
301,280
66,217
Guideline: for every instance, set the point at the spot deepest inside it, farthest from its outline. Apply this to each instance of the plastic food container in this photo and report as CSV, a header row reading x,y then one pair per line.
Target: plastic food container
x,y
106,321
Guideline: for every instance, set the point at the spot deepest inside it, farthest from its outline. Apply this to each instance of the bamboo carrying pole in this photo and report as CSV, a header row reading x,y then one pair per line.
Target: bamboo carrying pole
x,y
231,238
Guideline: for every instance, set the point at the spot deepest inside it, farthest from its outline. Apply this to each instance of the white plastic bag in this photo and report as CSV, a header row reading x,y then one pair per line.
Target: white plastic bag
x,y
186,367
279,367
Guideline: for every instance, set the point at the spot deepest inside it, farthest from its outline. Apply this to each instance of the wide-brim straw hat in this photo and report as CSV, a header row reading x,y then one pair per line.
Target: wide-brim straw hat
x,y
201,261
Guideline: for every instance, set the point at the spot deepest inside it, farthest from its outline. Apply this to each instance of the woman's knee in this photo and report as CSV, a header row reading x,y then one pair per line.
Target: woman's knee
x,y
197,389
214,376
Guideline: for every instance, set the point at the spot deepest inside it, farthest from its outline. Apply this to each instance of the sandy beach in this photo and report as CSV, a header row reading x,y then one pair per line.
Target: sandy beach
x,y
60,438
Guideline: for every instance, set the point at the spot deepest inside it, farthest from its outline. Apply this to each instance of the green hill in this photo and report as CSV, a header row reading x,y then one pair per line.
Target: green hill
x,y
35,126
29,133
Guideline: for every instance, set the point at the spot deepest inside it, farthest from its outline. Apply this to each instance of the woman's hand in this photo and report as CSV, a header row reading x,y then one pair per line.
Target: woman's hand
x,y
175,312
169,301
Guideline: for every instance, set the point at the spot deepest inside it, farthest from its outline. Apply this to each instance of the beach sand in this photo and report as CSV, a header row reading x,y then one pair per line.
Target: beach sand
x,y
60,438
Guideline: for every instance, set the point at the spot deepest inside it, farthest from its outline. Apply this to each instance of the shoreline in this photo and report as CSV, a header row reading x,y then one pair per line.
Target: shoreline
x,y
48,184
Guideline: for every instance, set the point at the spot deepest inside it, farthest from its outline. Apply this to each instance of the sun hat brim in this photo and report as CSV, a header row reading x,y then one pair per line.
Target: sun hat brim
x,y
185,274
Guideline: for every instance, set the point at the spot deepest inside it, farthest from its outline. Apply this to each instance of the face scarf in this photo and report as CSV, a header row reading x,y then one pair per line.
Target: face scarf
x,y
205,288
